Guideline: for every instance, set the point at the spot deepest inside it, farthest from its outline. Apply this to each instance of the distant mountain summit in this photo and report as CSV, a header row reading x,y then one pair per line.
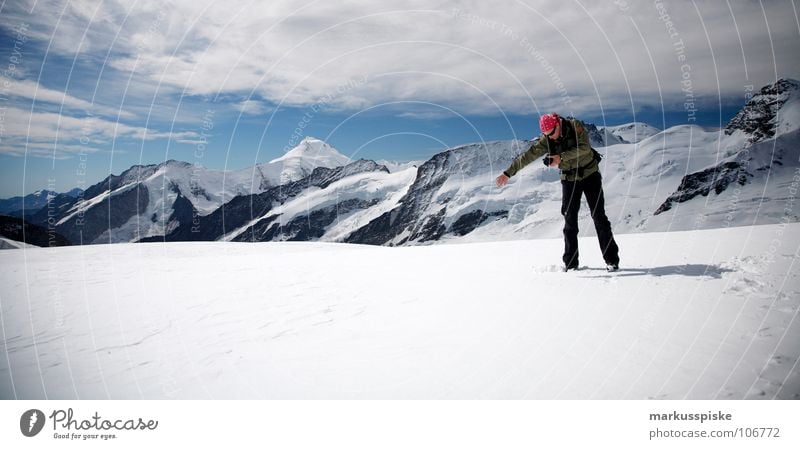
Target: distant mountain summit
x,y
682,178
156,199
604,136
600,136
757,141
632,132
31,203
764,115
283,212
309,154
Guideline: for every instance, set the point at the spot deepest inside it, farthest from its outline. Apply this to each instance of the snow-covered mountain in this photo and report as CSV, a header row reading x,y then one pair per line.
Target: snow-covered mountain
x,y
395,166
683,178
298,210
601,137
774,110
301,160
32,202
632,132
332,211
686,177
455,183
754,173
154,200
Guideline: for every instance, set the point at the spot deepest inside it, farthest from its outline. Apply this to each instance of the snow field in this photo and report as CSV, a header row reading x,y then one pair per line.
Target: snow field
x,y
697,314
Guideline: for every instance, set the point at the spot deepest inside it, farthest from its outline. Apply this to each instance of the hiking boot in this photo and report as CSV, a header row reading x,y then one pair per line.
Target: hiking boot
x,y
612,267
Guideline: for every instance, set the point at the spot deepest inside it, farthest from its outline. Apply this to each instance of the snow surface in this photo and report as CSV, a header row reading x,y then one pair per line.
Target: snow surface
x,y
700,315
395,166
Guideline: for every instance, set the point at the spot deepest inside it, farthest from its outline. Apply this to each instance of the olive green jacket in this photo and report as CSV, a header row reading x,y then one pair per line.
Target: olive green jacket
x,y
573,146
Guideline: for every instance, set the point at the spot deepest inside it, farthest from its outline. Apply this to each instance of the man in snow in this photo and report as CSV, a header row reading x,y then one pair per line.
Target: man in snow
x,y
566,146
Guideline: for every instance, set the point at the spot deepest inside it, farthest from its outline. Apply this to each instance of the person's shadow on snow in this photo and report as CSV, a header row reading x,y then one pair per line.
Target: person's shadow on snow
x,y
690,269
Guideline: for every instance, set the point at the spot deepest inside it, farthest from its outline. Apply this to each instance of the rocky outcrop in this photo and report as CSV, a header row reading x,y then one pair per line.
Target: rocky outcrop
x,y
758,117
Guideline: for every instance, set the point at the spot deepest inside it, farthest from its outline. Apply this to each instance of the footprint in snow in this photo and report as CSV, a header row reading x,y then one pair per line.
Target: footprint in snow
x,y
547,269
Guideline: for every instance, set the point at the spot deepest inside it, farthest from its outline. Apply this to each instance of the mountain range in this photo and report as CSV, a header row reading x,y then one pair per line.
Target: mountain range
x,y
685,177
19,206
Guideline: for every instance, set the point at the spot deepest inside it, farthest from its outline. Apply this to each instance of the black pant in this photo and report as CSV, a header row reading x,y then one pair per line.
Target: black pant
x,y
592,188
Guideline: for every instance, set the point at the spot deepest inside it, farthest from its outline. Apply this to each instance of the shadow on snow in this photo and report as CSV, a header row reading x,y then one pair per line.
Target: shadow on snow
x,y
692,270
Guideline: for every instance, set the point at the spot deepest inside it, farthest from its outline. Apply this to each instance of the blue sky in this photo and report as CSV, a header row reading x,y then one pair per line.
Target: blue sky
x,y
93,88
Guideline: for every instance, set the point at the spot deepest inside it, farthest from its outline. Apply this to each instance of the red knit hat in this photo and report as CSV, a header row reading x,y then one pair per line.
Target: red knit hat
x,y
548,122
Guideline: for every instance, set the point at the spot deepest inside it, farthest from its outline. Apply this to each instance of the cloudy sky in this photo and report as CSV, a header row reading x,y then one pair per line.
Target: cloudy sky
x,y
88,88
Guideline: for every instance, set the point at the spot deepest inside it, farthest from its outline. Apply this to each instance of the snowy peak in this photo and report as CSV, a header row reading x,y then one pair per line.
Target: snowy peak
x,y
774,110
313,149
301,160
632,132
396,166
603,136
243,217
33,201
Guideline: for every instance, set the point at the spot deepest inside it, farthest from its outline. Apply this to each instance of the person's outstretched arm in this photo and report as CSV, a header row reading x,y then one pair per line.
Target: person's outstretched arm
x,y
537,149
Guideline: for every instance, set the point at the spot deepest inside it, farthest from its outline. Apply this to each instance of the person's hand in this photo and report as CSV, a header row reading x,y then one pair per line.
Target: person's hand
x,y
501,180
555,160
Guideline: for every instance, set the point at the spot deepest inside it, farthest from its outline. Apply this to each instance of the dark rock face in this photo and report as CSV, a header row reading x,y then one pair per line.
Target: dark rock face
x,y
114,211
108,214
757,117
377,231
243,209
183,213
134,174
18,229
408,214
703,182
600,137
55,208
303,228
471,220
416,217
429,228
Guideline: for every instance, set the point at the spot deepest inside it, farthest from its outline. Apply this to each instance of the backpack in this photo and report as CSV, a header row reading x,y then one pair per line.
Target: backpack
x,y
597,156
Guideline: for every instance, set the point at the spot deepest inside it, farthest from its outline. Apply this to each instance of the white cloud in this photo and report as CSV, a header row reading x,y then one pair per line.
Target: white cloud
x,y
36,93
254,107
477,57
46,150
41,132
